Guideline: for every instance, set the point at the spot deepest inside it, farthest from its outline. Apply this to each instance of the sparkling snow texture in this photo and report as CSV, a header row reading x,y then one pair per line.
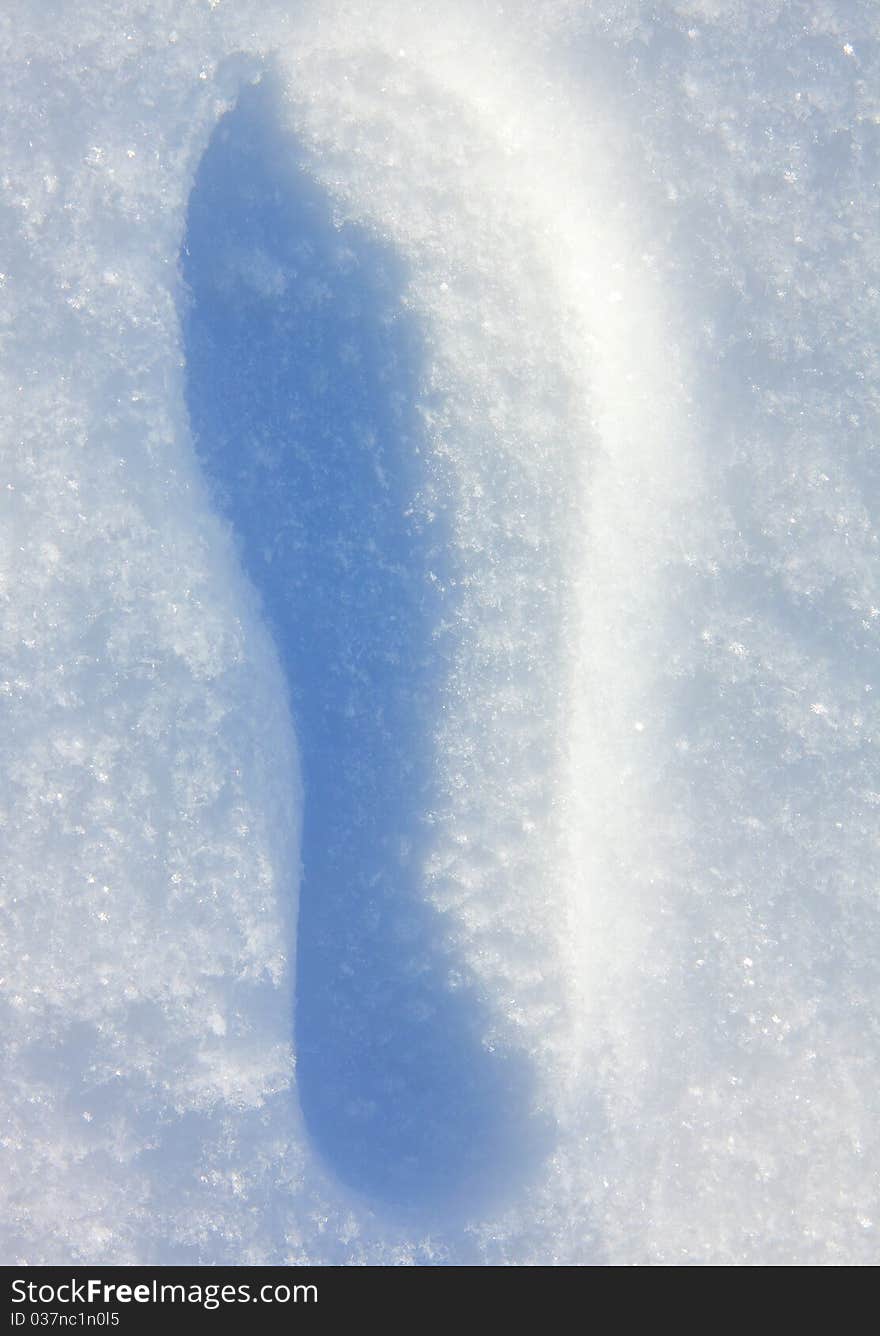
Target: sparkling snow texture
x,y
440,632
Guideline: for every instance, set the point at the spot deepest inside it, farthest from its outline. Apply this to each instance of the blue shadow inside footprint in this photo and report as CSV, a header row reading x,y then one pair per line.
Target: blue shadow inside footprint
x,y
303,384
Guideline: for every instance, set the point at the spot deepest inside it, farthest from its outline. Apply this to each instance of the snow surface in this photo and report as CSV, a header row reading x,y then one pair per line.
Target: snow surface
x,y
439,652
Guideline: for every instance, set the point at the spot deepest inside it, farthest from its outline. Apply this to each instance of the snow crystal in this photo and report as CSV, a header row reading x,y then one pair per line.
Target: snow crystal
x,y
440,584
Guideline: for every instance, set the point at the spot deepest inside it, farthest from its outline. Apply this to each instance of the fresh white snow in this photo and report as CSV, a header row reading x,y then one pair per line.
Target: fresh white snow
x,y
599,285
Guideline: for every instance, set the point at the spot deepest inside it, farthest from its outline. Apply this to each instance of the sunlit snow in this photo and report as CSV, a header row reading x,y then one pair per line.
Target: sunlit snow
x,y
441,628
